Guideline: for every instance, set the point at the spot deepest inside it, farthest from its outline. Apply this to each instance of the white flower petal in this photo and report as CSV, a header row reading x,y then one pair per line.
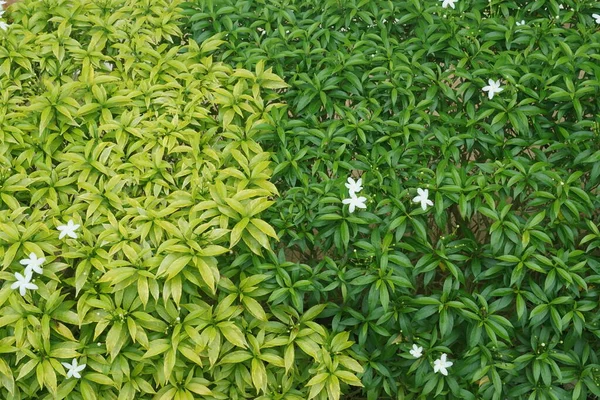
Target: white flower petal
x,y
441,365
423,198
68,230
354,202
73,370
354,186
416,351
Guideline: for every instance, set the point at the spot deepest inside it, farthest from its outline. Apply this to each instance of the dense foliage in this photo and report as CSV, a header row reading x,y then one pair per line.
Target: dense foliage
x,y
176,220
502,273
131,194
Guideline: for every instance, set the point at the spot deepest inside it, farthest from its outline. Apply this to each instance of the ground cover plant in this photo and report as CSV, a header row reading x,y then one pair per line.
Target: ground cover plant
x,y
131,191
299,199
438,168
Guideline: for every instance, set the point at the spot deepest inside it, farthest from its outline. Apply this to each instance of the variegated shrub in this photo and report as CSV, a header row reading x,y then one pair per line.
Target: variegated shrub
x,y
132,186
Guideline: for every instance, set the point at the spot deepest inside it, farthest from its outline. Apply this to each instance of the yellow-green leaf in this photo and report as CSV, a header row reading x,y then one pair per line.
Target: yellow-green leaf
x,y
254,308
198,389
348,377
264,227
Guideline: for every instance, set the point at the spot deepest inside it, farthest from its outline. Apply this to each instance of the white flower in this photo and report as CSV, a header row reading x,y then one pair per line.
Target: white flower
x,y
596,17
417,351
354,202
423,198
441,364
68,230
33,263
354,187
23,283
73,369
493,87
446,3
108,65
521,23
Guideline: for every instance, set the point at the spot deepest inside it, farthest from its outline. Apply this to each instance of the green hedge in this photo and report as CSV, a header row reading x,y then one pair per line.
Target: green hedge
x,y
502,273
151,155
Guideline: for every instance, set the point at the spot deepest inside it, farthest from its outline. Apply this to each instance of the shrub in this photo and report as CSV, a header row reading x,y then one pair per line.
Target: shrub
x,y
131,194
501,274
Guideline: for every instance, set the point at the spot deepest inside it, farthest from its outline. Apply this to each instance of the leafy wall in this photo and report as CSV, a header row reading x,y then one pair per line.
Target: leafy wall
x,y
501,272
